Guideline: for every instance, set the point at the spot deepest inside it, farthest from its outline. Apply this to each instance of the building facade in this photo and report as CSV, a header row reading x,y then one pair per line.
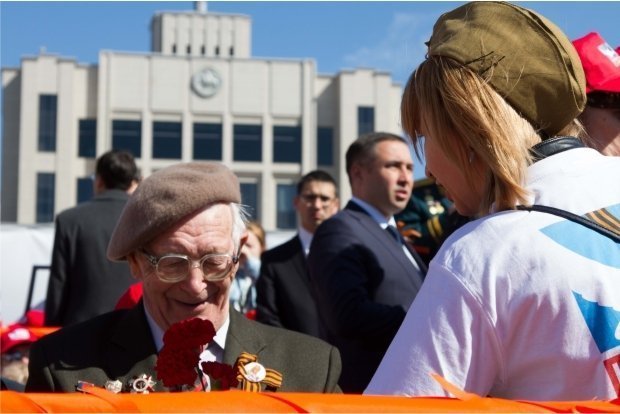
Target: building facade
x,y
198,95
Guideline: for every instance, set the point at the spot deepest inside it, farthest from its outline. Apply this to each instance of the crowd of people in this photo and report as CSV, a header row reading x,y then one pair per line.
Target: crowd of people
x,y
517,297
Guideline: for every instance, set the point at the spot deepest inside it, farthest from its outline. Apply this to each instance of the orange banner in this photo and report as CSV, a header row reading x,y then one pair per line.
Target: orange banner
x,y
100,400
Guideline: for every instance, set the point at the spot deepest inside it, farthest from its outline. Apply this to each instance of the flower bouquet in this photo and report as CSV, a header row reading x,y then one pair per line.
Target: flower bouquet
x,y
178,364
180,369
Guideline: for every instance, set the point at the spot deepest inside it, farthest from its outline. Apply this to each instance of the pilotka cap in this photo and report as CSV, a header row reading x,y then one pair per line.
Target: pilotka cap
x,y
167,196
527,59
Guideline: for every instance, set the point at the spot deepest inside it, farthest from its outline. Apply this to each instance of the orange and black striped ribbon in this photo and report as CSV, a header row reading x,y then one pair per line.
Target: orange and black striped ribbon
x,y
272,380
605,219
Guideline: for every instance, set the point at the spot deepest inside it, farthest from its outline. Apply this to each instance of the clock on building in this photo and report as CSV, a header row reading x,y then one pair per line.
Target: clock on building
x,y
206,83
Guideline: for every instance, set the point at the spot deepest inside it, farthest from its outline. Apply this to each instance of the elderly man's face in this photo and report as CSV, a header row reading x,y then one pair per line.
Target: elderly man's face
x,y
206,232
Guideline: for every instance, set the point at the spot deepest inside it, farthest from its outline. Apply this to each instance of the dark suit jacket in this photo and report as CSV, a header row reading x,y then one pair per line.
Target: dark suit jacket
x,y
119,345
83,282
283,295
357,269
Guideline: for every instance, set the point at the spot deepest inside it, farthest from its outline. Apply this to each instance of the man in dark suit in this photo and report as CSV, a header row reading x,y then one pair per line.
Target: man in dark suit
x,y
83,282
364,276
181,232
283,289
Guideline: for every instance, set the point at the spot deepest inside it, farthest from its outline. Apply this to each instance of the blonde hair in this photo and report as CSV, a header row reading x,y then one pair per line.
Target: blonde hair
x,y
259,232
470,121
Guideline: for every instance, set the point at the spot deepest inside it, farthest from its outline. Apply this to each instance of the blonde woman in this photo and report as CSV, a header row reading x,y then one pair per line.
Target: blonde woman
x,y
243,289
521,303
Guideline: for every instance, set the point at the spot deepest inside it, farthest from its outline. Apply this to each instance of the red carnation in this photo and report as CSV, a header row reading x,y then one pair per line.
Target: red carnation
x,y
191,333
223,376
177,367
177,362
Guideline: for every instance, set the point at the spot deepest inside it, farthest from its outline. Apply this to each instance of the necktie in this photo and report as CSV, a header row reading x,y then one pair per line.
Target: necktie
x,y
410,252
394,233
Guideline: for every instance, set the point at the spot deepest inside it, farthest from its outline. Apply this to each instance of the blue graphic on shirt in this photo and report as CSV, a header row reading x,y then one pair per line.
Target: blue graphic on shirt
x,y
586,242
603,323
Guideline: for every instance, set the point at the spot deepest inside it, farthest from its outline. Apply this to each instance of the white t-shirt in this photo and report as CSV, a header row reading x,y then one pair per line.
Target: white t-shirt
x,y
521,305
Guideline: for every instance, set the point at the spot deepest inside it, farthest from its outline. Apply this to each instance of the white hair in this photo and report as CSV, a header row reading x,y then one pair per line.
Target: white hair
x,y
240,218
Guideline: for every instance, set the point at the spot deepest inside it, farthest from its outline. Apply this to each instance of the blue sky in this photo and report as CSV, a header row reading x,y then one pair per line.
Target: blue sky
x,y
384,35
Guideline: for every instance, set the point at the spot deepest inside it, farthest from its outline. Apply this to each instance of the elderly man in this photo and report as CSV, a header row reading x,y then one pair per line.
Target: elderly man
x,y
181,233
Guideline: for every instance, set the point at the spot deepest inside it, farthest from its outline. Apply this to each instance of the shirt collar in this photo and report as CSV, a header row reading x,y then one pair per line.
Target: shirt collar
x,y
306,238
375,214
158,333
220,335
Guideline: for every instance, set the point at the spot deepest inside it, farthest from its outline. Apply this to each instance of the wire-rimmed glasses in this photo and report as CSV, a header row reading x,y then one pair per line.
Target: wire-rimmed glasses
x,y
173,268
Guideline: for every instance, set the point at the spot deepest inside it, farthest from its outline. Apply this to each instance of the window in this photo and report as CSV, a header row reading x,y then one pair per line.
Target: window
x,y
249,197
286,212
248,143
45,197
47,122
87,146
202,50
85,190
325,146
365,119
217,50
174,49
232,51
207,141
189,50
167,140
286,144
127,135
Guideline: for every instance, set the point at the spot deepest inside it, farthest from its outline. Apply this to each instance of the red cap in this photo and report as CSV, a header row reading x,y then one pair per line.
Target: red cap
x,y
16,335
131,297
35,317
601,63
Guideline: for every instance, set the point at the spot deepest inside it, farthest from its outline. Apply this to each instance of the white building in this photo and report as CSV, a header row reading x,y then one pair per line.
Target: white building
x,y
199,94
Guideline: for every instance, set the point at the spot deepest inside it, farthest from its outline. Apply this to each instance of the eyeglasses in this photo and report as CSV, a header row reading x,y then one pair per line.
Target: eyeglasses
x,y
311,198
173,268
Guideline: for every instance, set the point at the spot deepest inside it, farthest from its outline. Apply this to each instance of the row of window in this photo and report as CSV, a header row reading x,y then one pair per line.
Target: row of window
x,y
286,218
207,141
207,137
203,50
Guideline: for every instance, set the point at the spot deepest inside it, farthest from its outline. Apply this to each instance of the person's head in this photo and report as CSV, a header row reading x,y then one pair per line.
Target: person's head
x,y
116,170
601,118
254,246
185,211
14,365
497,80
15,345
380,170
316,199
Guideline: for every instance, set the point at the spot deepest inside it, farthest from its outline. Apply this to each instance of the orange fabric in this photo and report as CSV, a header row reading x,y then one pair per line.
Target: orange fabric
x,y
39,331
238,401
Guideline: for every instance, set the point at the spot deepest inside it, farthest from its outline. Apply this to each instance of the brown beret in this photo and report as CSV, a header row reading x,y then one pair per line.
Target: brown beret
x,y
166,197
534,66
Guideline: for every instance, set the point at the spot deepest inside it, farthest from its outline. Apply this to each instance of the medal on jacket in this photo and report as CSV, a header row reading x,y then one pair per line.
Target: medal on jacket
x,y
251,374
142,384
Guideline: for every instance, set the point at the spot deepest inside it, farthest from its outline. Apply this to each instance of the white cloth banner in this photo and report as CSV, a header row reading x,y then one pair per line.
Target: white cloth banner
x,y
21,248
